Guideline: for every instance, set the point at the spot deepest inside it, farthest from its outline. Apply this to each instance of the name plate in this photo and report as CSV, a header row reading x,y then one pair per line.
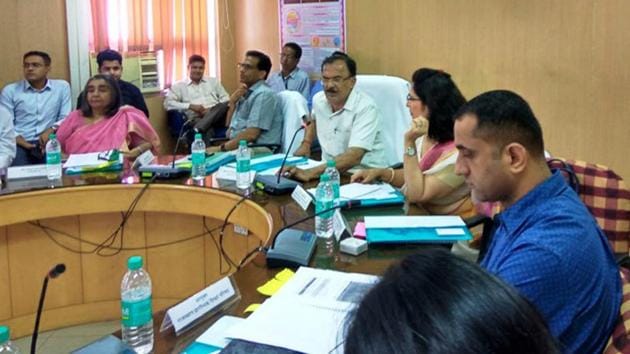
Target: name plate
x,y
28,171
302,197
204,303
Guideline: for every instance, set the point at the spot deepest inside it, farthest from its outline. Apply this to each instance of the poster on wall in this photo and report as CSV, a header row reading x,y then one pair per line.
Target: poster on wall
x,y
318,26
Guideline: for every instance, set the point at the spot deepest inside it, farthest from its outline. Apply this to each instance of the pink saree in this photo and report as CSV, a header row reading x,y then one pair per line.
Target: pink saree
x,y
125,130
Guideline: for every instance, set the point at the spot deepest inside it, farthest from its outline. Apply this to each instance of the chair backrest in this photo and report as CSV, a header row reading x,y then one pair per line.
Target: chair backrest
x,y
294,109
390,95
606,196
619,341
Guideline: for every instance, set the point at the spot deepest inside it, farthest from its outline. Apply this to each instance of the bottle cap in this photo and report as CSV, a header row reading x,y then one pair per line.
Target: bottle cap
x,y
242,143
198,136
331,163
5,334
324,177
134,262
52,136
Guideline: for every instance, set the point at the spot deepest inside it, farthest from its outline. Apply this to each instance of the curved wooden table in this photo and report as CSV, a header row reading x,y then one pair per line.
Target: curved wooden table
x,y
166,228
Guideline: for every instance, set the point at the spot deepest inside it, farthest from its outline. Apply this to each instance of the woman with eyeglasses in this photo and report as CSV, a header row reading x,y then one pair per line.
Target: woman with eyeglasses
x,y
428,176
435,302
101,123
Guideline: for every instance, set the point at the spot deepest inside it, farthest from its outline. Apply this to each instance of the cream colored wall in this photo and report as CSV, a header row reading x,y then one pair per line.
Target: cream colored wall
x,y
567,58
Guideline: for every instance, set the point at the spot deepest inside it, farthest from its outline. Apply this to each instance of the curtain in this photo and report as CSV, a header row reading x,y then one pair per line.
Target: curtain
x,y
177,27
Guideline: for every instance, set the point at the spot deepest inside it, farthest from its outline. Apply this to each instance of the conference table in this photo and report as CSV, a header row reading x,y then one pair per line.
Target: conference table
x,y
93,222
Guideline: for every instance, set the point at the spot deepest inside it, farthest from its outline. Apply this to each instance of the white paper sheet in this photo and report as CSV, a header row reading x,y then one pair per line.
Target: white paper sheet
x,y
87,160
304,165
229,174
363,191
388,222
307,314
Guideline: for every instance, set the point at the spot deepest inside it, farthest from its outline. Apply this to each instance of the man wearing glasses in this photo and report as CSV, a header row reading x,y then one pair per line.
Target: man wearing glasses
x,y
254,112
36,105
346,122
290,77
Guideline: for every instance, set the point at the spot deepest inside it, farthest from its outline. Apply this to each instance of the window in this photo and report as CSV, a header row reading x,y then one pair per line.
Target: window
x,y
176,28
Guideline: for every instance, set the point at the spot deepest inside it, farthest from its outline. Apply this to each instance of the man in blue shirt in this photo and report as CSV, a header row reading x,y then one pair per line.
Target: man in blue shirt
x,y
110,63
36,105
545,242
291,77
254,112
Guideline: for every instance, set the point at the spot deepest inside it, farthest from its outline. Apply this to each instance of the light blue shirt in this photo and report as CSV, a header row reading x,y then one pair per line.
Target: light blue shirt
x,y
34,111
296,81
7,138
259,108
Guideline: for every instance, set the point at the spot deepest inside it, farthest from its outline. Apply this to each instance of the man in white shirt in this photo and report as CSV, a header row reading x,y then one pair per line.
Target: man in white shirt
x,y
7,138
346,122
290,77
195,97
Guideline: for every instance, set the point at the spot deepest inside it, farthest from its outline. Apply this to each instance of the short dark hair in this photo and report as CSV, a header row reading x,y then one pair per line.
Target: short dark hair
x,y
196,58
114,105
350,63
40,54
439,93
435,302
296,48
108,54
505,117
264,63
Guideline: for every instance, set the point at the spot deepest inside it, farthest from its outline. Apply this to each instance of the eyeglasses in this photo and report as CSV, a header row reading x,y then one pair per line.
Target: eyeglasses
x,y
335,80
410,98
245,66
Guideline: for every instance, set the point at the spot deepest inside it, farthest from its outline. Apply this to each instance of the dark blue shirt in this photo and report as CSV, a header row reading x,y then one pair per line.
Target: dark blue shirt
x,y
549,247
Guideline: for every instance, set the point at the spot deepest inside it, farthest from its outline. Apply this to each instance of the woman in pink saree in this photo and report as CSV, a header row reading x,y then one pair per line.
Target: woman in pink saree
x,y
428,176
102,124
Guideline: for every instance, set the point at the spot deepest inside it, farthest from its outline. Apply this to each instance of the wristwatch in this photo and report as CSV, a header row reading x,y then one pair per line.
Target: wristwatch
x,y
410,151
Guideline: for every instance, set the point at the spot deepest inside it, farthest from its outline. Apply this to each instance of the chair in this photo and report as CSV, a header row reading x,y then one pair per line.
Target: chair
x,y
606,196
619,342
389,93
294,110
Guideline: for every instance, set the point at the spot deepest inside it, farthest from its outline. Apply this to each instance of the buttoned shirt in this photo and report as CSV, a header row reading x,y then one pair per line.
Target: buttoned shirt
x,y
357,124
7,138
33,111
549,247
207,93
258,108
297,80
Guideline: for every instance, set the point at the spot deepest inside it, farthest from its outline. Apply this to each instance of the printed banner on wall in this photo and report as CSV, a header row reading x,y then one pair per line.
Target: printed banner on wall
x,y
318,26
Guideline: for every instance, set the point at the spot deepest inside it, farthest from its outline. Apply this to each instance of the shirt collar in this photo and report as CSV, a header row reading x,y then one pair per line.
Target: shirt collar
x,y
291,74
27,86
520,211
350,105
190,82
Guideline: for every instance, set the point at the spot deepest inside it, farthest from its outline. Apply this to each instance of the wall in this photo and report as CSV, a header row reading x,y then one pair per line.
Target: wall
x,y
567,58
32,25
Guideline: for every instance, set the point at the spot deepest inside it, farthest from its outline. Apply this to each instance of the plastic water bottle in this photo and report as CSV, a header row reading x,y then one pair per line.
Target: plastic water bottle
x,y
198,157
5,341
333,174
324,199
53,157
137,317
243,168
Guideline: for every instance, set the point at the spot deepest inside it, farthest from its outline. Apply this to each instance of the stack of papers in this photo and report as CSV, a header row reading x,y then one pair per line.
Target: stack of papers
x,y
415,229
308,313
93,162
369,194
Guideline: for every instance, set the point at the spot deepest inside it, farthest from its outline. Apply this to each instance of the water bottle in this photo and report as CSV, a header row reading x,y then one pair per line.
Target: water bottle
x,y
137,320
198,156
324,199
5,341
243,167
53,157
333,174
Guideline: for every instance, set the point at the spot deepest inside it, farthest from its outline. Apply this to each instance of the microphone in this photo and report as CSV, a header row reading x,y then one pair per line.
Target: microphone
x,y
52,274
293,248
179,139
279,185
168,171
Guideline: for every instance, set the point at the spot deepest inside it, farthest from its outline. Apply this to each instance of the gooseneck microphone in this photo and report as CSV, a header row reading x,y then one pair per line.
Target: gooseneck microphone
x,y
169,171
293,248
52,274
179,139
279,185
